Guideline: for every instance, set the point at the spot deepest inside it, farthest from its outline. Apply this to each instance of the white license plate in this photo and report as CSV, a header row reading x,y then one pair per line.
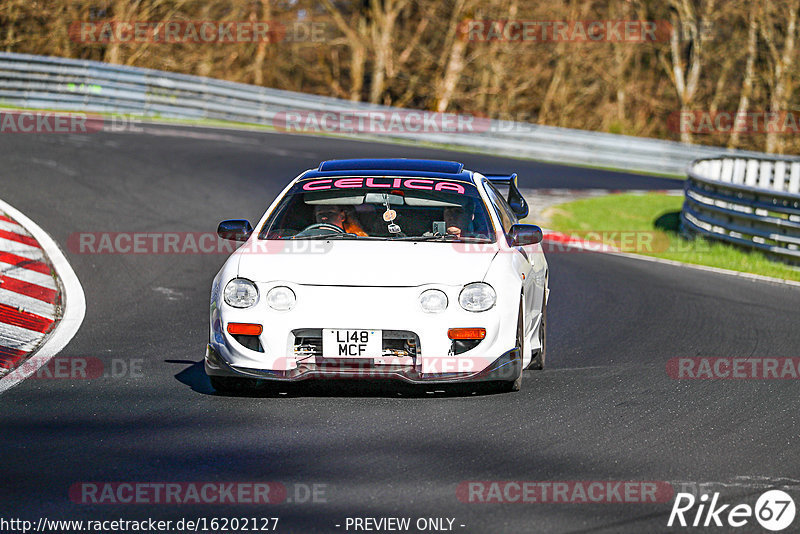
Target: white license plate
x,y
352,343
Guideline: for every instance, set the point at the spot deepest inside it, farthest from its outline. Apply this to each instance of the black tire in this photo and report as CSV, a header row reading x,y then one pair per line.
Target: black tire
x,y
538,360
510,386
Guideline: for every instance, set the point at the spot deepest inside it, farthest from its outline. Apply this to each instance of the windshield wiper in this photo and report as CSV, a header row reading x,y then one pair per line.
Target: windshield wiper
x,y
332,235
443,237
337,236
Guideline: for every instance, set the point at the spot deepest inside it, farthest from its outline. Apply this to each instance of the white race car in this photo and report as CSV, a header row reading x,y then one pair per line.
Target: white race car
x,y
403,269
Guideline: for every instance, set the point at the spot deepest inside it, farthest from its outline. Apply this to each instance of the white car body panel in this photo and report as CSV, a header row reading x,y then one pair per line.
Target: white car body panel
x,y
360,263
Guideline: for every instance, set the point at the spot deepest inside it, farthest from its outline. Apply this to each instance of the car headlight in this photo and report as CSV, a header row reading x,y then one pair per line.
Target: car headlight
x,y
241,293
477,297
433,301
281,298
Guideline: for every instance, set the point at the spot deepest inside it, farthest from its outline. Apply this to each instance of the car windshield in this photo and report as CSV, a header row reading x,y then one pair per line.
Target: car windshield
x,y
401,208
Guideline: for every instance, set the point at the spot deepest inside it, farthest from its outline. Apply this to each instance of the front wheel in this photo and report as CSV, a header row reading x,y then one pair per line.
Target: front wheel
x,y
537,362
508,386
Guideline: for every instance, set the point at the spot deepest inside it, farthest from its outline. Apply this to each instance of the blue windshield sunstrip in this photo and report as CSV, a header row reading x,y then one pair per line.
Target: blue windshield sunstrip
x,y
393,164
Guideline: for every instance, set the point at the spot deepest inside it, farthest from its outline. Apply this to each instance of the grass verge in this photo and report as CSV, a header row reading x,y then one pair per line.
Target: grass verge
x,y
654,218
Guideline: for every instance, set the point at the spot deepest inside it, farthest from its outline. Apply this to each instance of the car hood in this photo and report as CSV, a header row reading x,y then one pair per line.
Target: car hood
x,y
364,263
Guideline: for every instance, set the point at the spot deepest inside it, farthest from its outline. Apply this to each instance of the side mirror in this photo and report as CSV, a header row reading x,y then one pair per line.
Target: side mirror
x,y
525,234
235,230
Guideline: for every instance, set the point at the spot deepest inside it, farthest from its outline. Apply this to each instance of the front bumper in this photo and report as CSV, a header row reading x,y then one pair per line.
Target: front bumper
x,y
505,368
283,352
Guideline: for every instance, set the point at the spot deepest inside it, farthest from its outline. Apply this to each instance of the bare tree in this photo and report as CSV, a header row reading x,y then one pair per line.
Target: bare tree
x,y
782,62
355,38
454,49
383,18
686,59
749,72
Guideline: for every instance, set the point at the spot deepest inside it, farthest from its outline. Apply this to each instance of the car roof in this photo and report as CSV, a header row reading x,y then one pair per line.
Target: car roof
x,y
427,168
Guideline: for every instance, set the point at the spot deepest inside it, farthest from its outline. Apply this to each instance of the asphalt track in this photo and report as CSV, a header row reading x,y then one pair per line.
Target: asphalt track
x,y
605,408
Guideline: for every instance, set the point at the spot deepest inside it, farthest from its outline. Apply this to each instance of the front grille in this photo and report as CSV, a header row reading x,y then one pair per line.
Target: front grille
x,y
396,343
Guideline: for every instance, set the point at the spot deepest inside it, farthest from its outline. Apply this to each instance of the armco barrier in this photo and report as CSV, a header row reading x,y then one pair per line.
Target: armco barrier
x,y
752,202
67,84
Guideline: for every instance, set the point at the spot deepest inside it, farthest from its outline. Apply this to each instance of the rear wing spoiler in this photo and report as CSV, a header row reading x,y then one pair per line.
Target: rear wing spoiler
x,y
515,199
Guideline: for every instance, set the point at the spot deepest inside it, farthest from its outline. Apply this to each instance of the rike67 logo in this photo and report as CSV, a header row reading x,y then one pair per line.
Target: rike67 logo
x,y
774,510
